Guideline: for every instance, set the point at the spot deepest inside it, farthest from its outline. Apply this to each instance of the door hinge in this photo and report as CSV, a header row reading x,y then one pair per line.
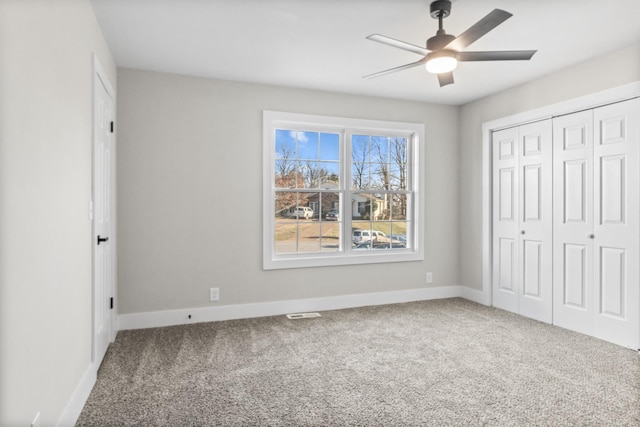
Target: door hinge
x,y
111,127
111,303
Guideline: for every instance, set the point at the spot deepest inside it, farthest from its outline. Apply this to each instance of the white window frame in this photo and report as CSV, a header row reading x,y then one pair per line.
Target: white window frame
x,y
414,132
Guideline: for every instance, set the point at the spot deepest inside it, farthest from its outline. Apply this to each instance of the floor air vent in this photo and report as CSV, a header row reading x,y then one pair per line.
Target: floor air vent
x,y
302,315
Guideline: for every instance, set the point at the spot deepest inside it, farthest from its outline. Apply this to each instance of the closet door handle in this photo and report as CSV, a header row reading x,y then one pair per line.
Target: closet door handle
x,y
591,236
521,231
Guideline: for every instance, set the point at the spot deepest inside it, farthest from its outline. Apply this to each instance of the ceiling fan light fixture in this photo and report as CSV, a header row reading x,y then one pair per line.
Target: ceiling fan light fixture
x,y
441,62
443,51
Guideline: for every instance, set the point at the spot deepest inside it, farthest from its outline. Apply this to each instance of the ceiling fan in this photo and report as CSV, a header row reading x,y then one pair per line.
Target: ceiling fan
x,y
444,51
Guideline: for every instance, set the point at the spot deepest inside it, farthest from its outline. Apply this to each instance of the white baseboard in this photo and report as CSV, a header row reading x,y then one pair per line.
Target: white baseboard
x,y
156,319
78,398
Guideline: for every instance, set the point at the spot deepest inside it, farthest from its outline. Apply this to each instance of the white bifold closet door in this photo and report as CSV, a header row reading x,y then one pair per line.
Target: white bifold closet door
x,y
522,220
597,222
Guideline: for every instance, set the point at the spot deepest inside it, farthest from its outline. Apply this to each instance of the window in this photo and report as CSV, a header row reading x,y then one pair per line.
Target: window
x,y
340,191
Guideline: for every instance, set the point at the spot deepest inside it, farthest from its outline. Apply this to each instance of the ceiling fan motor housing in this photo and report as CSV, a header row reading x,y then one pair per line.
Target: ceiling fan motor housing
x,y
440,8
439,41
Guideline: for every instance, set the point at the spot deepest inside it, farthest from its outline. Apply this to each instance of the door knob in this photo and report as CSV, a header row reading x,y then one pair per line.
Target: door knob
x,y
102,239
591,236
522,232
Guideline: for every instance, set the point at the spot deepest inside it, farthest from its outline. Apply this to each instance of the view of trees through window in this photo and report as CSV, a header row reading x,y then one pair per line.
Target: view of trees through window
x,y
328,184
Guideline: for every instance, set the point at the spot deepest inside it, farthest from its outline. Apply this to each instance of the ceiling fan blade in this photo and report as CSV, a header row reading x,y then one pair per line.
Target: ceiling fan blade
x,y
445,78
398,43
479,29
393,70
503,55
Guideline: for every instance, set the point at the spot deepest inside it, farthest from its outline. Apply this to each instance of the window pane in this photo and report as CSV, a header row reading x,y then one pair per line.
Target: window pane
x,y
330,236
307,206
380,176
329,175
383,227
368,206
285,236
398,163
397,177
377,207
307,145
360,176
329,146
367,235
361,205
329,203
285,144
384,203
398,235
398,151
309,237
310,174
285,203
286,175
400,206
380,149
361,232
285,164
286,228
360,148
360,161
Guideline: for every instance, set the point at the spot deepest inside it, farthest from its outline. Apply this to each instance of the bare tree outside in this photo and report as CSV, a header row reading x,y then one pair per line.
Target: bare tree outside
x,y
360,165
398,154
380,148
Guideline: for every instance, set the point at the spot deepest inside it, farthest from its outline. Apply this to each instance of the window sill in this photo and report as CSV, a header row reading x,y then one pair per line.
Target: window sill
x,y
340,258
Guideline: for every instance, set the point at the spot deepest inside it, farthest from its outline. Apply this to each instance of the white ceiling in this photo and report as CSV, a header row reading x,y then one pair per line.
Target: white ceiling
x,y
320,44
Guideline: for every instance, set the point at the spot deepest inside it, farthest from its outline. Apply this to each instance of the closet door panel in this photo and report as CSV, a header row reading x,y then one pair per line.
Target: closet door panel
x,y
617,223
505,219
573,222
536,238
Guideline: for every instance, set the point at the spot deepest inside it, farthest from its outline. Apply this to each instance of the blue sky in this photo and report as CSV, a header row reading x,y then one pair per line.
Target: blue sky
x,y
308,145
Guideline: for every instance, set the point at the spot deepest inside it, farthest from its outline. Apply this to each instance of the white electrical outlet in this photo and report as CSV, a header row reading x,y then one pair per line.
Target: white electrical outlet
x,y
429,277
214,294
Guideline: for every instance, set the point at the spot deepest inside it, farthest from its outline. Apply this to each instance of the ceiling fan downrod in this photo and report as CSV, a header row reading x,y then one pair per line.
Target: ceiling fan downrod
x,y
440,9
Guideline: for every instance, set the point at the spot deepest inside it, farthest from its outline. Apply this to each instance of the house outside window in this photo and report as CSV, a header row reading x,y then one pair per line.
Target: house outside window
x,y
341,191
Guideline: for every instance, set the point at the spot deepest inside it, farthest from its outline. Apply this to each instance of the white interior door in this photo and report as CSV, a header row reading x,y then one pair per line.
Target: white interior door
x,y
522,218
102,219
573,222
505,219
617,223
535,253
597,223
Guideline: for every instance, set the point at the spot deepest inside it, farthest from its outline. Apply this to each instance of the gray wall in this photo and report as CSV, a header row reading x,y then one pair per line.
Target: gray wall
x,y
608,71
190,194
45,186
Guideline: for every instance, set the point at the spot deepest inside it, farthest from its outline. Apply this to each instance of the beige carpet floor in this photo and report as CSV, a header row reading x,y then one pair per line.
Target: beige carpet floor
x,y
432,363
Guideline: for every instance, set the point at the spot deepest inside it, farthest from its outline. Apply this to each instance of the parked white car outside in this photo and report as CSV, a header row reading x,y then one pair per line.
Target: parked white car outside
x,y
360,236
303,212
